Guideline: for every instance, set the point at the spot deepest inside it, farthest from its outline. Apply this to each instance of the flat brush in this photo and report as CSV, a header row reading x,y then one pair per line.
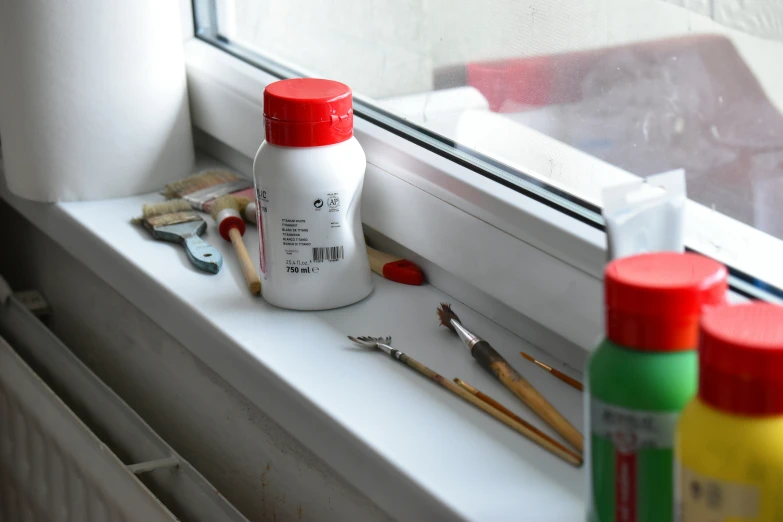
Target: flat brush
x,y
176,222
494,363
557,373
202,189
383,344
225,212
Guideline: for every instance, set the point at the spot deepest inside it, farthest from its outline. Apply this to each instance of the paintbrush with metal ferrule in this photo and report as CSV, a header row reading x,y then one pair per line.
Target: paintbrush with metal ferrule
x,y
176,222
496,364
202,189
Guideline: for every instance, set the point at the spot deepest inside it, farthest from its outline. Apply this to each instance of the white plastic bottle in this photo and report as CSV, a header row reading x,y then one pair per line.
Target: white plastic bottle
x,y
309,174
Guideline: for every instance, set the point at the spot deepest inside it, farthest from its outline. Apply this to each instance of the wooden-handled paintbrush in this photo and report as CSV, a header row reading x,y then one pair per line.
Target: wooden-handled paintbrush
x,y
563,452
225,212
496,364
202,189
383,344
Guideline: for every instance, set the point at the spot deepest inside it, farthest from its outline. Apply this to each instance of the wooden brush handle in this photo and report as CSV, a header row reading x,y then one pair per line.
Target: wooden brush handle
x,y
379,259
502,409
531,434
494,363
248,270
568,380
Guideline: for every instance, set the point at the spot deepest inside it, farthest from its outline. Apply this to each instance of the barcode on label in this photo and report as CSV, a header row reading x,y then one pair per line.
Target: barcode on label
x,y
322,254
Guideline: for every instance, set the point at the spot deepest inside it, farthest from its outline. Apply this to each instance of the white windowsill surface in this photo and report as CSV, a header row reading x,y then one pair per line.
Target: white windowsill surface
x,y
414,449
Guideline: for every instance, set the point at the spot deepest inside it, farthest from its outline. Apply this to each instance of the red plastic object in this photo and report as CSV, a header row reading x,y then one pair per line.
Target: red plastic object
x,y
403,271
307,112
512,85
741,359
229,222
654,301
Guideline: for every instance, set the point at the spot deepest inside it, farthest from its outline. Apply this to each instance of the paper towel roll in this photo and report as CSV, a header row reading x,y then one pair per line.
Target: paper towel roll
x,y
93,100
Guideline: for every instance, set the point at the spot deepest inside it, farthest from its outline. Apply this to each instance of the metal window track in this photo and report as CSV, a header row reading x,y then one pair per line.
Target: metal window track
x,y
72,450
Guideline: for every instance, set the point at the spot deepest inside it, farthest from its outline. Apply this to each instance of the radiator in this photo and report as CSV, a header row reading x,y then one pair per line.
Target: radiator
x,y
72,450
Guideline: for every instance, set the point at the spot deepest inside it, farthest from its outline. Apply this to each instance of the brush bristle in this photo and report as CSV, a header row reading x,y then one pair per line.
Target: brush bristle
x,y
243,203
166,213
202,180
222,203
446,314
150,210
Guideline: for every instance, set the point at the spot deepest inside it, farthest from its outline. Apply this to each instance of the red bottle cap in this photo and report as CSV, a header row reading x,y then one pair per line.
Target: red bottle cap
x,y
741,359
307,112
654,301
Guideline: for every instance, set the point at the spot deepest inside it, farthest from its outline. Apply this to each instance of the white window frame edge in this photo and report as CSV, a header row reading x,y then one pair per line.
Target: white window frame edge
x,y
531,257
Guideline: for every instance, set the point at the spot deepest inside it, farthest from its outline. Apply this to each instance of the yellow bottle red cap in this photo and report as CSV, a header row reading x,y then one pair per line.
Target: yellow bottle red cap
x,y
741,359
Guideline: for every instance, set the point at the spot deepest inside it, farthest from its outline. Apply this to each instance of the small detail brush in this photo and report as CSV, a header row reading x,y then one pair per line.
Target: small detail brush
x,y
496,364
383,344
385,265
202,189
557,373
563,452
176,222
225,212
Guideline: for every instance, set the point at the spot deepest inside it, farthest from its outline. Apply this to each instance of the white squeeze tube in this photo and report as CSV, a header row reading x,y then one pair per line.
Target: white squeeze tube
x,y
646,215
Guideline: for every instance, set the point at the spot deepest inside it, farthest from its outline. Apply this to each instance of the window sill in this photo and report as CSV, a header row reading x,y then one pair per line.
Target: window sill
x,y
412,448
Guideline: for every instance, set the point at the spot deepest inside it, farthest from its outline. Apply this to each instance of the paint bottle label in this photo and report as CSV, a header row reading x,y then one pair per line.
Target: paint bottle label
x,y
305,236
630,450
700,498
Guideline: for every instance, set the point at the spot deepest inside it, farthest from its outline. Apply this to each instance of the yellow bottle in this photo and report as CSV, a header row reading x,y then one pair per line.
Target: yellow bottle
x,y
729,440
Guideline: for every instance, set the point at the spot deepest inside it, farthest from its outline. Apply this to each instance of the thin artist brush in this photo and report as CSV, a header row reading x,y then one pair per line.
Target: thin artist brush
x,y
495,404
496,364
383,344
557,373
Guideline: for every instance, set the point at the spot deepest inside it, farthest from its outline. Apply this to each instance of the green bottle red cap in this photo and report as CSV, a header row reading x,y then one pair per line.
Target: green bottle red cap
x,y
741,359
654,301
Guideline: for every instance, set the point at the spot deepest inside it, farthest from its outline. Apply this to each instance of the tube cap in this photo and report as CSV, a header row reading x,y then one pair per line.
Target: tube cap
x,y
654,301
741,359
307,112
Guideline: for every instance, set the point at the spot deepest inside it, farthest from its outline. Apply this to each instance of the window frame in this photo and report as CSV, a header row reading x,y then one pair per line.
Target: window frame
x,y
555,278
226,103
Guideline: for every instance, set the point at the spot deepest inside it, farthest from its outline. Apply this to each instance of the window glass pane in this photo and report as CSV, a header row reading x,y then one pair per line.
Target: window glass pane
x,y
562,97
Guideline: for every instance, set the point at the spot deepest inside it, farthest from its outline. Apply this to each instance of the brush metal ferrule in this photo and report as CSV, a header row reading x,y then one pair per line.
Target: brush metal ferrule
x,y
467,337
394,353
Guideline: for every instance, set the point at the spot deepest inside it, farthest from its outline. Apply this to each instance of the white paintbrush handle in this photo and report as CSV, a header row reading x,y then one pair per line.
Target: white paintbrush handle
x,y
250,213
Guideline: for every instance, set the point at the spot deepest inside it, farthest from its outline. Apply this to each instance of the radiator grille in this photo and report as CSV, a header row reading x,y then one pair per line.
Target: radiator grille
x,y
51,467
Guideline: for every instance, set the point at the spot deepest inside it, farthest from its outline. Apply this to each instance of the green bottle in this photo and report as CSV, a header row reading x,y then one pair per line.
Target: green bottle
x,y
641,377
